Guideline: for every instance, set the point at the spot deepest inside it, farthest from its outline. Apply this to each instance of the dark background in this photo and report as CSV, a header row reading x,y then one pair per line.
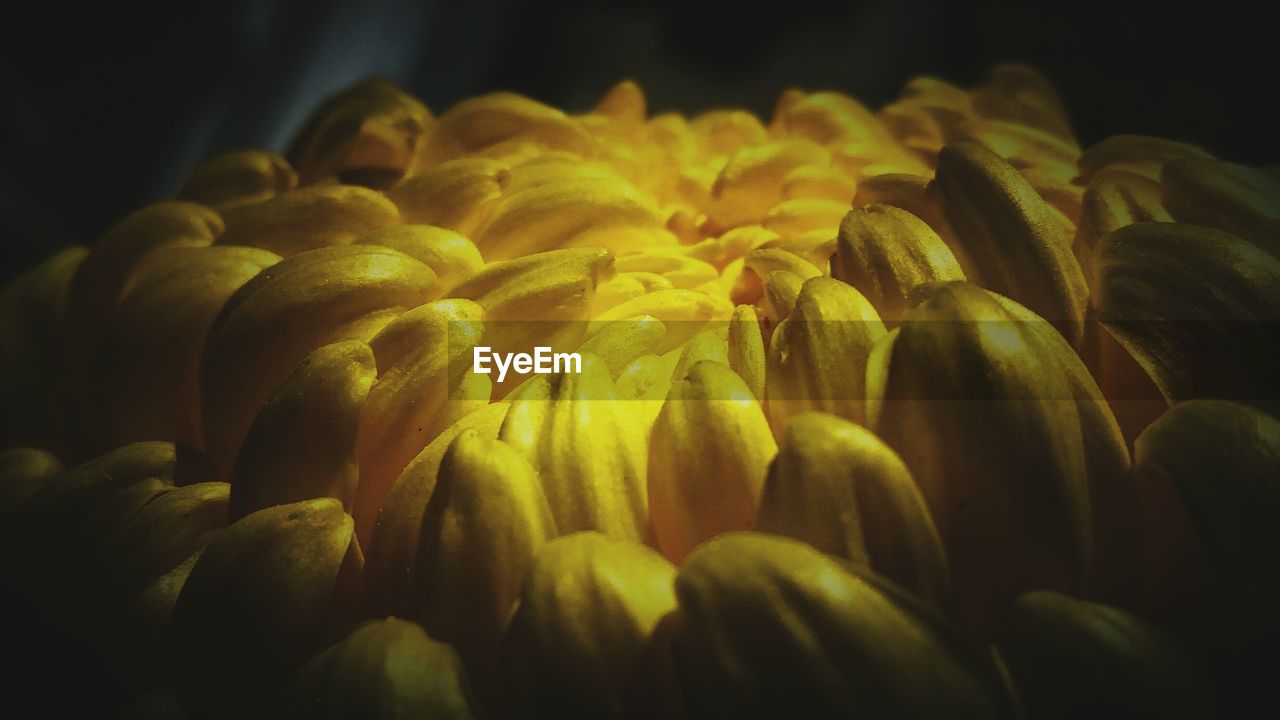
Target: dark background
x,y
106,107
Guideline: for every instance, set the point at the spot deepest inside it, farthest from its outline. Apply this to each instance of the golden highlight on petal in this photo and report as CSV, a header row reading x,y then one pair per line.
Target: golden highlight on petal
x,y
708,456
